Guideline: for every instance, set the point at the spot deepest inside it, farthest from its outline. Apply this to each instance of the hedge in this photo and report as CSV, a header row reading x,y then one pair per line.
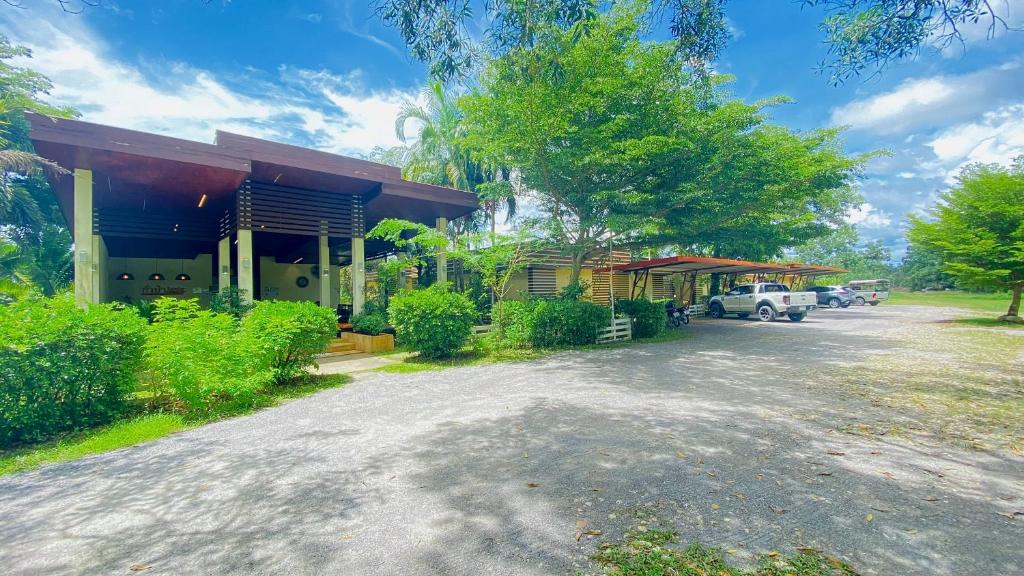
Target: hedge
x,y
433,321
648,317
65,368
293,333
567,323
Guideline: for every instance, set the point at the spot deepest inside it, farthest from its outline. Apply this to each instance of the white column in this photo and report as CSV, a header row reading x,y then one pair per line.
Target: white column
x,y
85,275
100,274
325,272
224,264
442,253
245,265
358,276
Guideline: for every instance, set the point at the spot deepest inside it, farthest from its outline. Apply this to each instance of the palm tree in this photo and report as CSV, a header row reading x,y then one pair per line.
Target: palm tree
x,y
437,156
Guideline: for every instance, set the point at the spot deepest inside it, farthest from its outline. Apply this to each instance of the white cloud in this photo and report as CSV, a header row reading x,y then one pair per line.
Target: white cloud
x,y
920,103
330,111
906,175
997,137
867,216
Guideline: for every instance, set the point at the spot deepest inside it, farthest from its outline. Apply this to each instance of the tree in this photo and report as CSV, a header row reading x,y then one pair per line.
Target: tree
x,y
438,155
860,34
768,190
29,215
978,229
613,139
920,269
497,261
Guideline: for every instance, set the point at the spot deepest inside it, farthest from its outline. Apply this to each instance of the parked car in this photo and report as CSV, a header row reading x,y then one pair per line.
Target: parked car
x,y
869,291
832,296
768,300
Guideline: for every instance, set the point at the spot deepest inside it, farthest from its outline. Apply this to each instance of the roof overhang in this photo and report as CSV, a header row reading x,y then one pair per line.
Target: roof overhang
x,y
131,166
705,265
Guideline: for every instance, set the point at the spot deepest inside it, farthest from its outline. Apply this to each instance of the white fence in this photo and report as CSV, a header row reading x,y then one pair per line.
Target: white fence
x,y
620,329
483,329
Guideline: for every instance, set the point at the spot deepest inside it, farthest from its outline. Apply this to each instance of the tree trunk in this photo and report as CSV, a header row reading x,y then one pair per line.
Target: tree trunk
x,y
1013,313
577,267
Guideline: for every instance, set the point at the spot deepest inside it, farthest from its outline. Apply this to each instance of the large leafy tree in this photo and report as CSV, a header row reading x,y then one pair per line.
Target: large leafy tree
x,y
861,34
613,139
978,229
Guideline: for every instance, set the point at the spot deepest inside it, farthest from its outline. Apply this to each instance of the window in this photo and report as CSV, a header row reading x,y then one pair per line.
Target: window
x,y
774,288
741,290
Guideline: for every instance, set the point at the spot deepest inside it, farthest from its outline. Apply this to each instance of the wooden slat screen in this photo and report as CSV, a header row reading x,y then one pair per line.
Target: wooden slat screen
x,y
273,208
663,288
541,281
175,224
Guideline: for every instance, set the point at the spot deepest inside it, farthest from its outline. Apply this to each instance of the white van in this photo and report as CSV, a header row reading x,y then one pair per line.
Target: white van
x,y
869,291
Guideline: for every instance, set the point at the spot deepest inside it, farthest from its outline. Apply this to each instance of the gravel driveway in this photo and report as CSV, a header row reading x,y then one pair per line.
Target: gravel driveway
x,y
726,436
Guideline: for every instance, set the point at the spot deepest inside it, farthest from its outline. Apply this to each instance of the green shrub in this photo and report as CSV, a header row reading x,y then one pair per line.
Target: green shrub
x,y
567,323
294,333
64,368
514,321
648,317
231,301
206,358
372,323
433,321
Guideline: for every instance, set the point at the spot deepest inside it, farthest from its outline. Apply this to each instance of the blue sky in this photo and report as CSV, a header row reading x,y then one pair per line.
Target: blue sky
x,y
328,74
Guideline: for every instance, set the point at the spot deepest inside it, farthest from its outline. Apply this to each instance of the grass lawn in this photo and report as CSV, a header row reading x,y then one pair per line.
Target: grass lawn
x,y
473,355
148,427
655,553
991,304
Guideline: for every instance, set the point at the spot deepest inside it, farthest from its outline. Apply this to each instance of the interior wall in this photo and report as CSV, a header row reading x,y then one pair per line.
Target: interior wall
x,y
141,288
280,281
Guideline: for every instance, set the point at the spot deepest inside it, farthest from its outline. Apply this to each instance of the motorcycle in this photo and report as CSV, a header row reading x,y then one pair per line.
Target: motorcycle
x,y
677,316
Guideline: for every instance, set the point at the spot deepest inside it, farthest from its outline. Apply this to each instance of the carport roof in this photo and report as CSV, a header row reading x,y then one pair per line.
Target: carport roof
x,y
705,265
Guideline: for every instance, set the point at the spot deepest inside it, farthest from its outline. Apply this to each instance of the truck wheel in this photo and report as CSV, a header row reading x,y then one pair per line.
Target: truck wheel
x,y
797,316
861,301
717,311
833,302
766,313
744,315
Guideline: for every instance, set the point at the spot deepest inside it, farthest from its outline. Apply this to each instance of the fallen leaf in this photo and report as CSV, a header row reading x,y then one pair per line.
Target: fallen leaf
x,y
834,453
824,473
346,537
532,485
773,553
1011,515
759,477
140,567
808,550
879,509
740,496
778,510
930,499
874,452
680,454
593,532
869,517
715,506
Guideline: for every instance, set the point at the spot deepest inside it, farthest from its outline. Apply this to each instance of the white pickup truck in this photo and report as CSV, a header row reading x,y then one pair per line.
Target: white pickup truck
x,y
768,300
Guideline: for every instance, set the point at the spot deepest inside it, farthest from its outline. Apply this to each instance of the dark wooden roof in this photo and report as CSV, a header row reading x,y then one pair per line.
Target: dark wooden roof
x,y
130,167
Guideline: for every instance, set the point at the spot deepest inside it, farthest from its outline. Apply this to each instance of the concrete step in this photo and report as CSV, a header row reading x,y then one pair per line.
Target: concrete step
x,y
330,355
339,345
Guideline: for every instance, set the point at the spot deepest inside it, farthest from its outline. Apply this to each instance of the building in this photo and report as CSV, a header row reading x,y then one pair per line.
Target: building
x,y
153,215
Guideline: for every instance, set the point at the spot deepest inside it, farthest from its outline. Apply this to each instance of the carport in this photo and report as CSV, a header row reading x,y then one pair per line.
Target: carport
x,y
675,277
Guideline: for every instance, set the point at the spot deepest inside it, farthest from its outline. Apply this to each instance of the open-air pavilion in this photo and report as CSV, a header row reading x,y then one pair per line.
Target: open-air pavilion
x,y
153,215
675,277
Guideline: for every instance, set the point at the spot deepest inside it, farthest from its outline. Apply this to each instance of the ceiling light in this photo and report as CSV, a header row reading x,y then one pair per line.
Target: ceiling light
x,y
202,200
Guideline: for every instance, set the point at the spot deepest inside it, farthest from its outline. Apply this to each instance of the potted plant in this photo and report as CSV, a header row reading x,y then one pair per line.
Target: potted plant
x,y
369,333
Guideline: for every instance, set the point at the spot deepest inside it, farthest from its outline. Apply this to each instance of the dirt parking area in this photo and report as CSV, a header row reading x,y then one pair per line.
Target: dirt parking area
x,y
874,434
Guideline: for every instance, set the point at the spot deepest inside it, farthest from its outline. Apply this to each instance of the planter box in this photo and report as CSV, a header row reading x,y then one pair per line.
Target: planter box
x,y
367,343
